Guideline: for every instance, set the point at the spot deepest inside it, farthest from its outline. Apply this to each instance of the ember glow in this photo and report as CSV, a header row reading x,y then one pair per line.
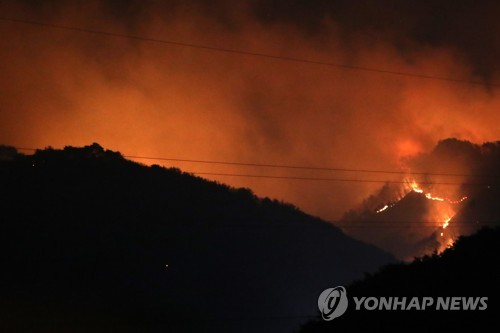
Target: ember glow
x,y
446,222
413,185
440,210
382,209
447,212
415,188
462,199
430,197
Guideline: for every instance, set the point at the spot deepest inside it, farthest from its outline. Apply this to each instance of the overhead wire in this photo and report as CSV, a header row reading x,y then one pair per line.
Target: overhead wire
x,y
300,167
345,224
298,178
277,57
244,52
354,180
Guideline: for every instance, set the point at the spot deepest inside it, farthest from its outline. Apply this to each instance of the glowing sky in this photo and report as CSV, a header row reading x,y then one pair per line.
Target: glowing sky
x,y
62,88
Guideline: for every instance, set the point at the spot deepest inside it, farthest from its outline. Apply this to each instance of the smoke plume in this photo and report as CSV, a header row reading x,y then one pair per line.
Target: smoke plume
x,y
61,87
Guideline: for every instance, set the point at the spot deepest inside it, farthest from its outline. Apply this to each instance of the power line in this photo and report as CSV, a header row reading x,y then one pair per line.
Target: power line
x,y
343,223
331,179
284,166
215,223
360,224
416,222
409,224
354,180
245,53
400,225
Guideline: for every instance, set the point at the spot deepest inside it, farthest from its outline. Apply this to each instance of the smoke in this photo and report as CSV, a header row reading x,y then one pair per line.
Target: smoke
x,y
61,87
456,196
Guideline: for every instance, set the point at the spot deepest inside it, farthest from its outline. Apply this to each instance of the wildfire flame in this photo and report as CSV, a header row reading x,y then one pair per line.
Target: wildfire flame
x,y
382,209
440,213
430,197
415,188
450,242
444,212
458,201
446,222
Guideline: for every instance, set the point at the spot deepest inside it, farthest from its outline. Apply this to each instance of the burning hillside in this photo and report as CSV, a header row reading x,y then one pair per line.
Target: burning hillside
x,y
426,211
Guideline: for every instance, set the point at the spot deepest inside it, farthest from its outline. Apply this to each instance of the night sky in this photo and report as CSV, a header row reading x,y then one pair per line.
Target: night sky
x,y
61,87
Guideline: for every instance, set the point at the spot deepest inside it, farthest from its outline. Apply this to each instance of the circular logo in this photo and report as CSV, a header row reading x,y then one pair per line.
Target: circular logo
x,y
332,303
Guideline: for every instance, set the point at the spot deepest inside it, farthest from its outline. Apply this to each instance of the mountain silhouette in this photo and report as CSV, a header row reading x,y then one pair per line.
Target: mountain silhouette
x,y
94,242
468,269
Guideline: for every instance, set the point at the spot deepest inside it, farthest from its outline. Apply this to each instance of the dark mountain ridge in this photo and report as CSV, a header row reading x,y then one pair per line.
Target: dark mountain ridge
x,y
92,241
470,270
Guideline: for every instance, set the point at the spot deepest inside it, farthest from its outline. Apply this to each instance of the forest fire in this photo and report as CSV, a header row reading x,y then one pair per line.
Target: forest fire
x,y
443,213
446,222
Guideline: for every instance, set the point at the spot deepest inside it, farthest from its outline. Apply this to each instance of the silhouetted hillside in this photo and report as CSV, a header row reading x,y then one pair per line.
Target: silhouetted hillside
x,y
92,242
468,269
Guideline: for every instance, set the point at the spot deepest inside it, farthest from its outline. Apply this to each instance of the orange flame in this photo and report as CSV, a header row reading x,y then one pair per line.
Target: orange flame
x,y
415,188
446,222
382,209
443,212
430,197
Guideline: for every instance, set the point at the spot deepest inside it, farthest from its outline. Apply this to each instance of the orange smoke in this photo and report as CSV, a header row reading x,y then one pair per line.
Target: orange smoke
x,y
68,88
